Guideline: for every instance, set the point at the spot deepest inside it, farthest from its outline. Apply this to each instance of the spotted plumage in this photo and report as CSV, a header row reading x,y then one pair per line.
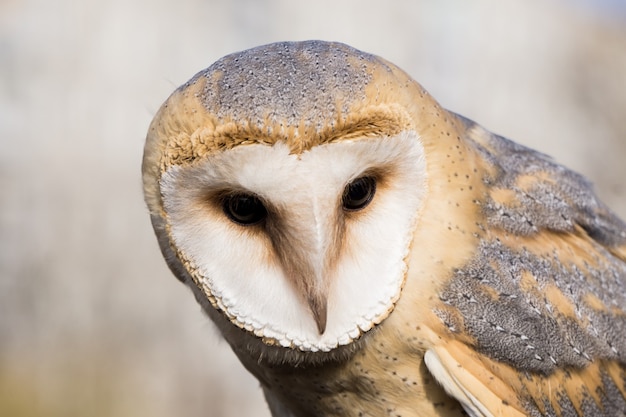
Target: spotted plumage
x,y
367,253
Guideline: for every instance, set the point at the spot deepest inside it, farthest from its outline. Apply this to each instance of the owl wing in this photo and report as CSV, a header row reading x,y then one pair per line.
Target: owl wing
x,y
537,318
481,393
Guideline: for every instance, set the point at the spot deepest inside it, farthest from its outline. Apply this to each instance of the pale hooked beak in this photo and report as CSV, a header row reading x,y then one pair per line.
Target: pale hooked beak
x,y
306,250
319,307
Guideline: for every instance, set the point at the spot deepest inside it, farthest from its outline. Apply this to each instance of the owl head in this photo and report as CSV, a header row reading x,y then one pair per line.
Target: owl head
x,y
284,184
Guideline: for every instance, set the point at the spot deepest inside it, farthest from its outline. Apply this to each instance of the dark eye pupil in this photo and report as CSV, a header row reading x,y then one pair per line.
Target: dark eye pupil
x,y
359,193
244,209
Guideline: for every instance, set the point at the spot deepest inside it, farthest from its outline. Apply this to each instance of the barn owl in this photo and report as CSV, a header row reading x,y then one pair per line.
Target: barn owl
x,y
366,252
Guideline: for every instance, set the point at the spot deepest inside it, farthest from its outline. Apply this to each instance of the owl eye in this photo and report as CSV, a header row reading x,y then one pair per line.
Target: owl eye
x,y
244,209
358,193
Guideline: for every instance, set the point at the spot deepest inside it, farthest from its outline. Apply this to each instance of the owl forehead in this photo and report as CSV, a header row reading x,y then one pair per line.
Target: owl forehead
x,y
301,93
291,82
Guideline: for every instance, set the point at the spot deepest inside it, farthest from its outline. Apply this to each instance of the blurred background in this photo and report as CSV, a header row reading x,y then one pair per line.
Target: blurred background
x,y
91,321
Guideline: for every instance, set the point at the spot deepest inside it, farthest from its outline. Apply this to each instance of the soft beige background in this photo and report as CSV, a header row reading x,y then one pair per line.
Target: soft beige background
x,y
91,321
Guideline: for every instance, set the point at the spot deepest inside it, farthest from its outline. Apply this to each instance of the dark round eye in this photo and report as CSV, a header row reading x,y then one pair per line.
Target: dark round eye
x,y
244,209
359,193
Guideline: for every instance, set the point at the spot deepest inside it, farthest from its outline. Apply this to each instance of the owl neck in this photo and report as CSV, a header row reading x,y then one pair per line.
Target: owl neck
x,y
380,375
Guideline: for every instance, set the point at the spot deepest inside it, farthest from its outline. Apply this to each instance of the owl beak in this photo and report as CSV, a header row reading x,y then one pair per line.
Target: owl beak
x,y
319,307
305,255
